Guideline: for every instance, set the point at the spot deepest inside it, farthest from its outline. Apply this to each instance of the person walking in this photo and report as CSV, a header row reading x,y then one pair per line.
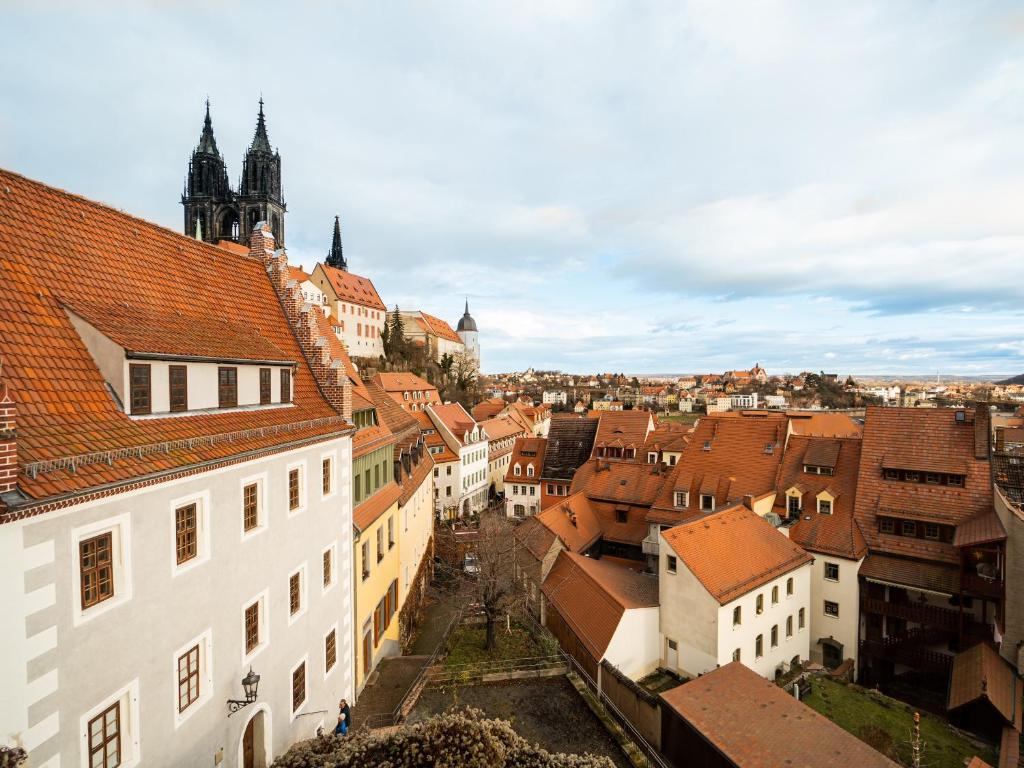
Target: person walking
x,y
344,719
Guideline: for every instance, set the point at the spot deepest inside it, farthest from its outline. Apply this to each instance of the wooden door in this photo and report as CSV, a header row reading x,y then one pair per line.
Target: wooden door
x,y
248,745
367,653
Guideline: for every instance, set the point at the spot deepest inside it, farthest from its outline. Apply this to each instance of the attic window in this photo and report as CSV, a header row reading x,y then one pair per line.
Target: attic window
x,y
707,445
707,502
769,448
824,507
680,499
812,469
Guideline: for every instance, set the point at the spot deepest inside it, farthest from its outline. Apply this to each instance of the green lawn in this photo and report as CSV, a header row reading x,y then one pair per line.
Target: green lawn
x,y
886,724
466,645
680,416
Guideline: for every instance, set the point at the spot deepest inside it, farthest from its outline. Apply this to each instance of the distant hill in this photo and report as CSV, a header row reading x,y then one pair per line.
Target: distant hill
x,y
1015,380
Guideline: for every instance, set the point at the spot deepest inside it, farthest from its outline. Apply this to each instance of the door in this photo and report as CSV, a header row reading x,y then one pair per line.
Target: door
x,y
367,652
249,745
831,653
672,655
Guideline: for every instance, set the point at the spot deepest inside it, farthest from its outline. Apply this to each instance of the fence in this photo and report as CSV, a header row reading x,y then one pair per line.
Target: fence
x,y
495,671
638,705
647,754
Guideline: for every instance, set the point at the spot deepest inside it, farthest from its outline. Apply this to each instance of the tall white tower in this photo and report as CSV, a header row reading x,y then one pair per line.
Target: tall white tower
x,y
470,338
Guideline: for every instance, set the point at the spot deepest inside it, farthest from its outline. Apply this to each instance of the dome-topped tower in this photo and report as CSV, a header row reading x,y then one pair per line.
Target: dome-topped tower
x,y
470,338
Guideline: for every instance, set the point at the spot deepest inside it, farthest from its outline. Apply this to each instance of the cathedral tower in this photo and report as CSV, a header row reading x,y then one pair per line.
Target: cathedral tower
x,y
335,256
260,196
210,212
470,338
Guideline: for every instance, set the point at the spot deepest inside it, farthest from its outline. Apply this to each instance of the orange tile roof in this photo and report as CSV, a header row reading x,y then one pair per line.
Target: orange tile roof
x,y
298,274
611,481
625,429
592,595
919,437
981,673
439,327
837,533
537,446
455,418
823,424
708,547
983,529
433,439
489,408
353,288
402,382
935,577
58,248
574,521
501,427
365,513
535,536
753,723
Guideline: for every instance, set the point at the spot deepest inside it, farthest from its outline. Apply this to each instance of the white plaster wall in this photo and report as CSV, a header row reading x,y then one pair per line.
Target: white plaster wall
x,y
202,384
846,592
635,646
689,616
55,669
416,524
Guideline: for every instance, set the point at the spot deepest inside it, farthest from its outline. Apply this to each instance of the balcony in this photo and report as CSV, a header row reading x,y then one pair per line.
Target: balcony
x,y
972,584
911,648
919,613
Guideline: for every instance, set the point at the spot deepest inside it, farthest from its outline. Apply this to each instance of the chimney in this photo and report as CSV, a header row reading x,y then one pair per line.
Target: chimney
x,y
748,501
1000,440
8,442
982,430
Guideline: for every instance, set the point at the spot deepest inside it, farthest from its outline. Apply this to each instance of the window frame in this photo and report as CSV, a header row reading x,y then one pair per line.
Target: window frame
x,y
332,491
328,669
671,564
127,701
204,642
121,555
182,404
825,608
737,616
303,593
302,665
265,387
285,394
332,551
302,490
227,386
136,387
262,626
201,501
759,647
828,567
262,522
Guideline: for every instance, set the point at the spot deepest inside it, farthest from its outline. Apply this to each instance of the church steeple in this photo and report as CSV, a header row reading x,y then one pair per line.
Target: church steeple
x,y
335,257
207,189
260,196
260,140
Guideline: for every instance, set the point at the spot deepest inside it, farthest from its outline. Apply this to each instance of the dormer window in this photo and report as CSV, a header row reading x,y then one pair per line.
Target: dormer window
x,y
286,385
707,445
517,470
264,386
793,505
227,387
141,399
529,470
824,506
707,502
177,386
652,458
680,499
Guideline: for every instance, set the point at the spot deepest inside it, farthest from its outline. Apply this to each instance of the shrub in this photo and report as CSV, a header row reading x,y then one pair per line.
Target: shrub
x,y
462,738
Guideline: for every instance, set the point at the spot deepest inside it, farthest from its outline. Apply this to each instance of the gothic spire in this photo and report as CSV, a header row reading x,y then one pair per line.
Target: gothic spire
x,y
207,143
335,257
260,141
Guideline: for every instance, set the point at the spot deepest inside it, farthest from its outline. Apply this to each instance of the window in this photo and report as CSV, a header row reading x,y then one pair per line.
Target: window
x,y
707,502
909,528
891,474
380,544
529,470
188,678
227,387
516,470
670,563
759,605
933,478
775,636
97,569
931,531
887,525
140,394
775,595
391,532
328,567
832,571
250,507
177,384
365,551
330,650
252,627
295,593
759,647
831,609
104,738
286,385
824,507
298,686
789,587
186,533
679,499
737,616
793,505
956,480
736,655
551,489
264,386
800,619
326,477
652,458
293,489
911,477
789,626
621,515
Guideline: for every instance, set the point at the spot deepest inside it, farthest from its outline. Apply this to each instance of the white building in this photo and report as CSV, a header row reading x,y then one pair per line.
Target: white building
x,y
357,313
468,476
470,336
178,513
433,333
551,397
522,479
775,401
732,588
743,402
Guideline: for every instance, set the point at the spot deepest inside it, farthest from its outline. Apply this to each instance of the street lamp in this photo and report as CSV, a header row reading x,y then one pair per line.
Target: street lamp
x,y
249,684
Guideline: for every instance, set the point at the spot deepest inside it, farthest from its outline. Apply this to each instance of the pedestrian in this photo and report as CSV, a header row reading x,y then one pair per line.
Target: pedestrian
x,y
344,715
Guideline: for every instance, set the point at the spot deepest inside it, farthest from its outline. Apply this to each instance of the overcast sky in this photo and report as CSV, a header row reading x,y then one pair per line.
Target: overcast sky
x,y
647,187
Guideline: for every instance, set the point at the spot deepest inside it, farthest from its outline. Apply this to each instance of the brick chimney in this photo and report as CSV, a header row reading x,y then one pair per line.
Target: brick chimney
x,y
307,322
8,442
982,430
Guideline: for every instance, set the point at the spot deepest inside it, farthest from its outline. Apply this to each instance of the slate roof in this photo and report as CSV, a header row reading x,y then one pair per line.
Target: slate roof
x,y
569,444
709,548
59,249
756,724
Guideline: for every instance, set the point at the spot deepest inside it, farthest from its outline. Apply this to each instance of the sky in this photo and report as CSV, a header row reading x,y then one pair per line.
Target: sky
x,y
628,186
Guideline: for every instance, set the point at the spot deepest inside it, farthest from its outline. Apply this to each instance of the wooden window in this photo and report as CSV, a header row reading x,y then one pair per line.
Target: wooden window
x,y
293,488
298,686
759,647
891,474
264,386
186,533
957,480
775,595
670,563
294,593
378,622
789,626
97,569
188,678
380,544
737,616
931,531
105,738
330,650
707,502
140,394
250,507
800,619
227,387
393,599
909,528
252,627
326,478
328,566
286,385
177,384
886,525
775,636
789,586
391,532
366,560
736,655
832,571
621,515
824,507
831,608
759,605
794,506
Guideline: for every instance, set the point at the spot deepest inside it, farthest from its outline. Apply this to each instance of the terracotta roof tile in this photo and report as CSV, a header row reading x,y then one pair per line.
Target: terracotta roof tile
x,y
535,536
983,529
526,452
440,328
981,673
490,408
372,508
455,418
353,288
822,424
625,429
756,724
574,521
707,546
935,577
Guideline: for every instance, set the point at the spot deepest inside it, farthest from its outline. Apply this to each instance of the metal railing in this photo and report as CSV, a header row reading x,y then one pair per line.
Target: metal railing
x,y
930,615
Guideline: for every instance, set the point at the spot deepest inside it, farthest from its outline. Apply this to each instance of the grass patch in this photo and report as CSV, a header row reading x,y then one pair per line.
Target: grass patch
x,y
658,682
886,724
679,416
466,645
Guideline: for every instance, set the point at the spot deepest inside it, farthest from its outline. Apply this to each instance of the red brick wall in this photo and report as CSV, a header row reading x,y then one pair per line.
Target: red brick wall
x,y
8,442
